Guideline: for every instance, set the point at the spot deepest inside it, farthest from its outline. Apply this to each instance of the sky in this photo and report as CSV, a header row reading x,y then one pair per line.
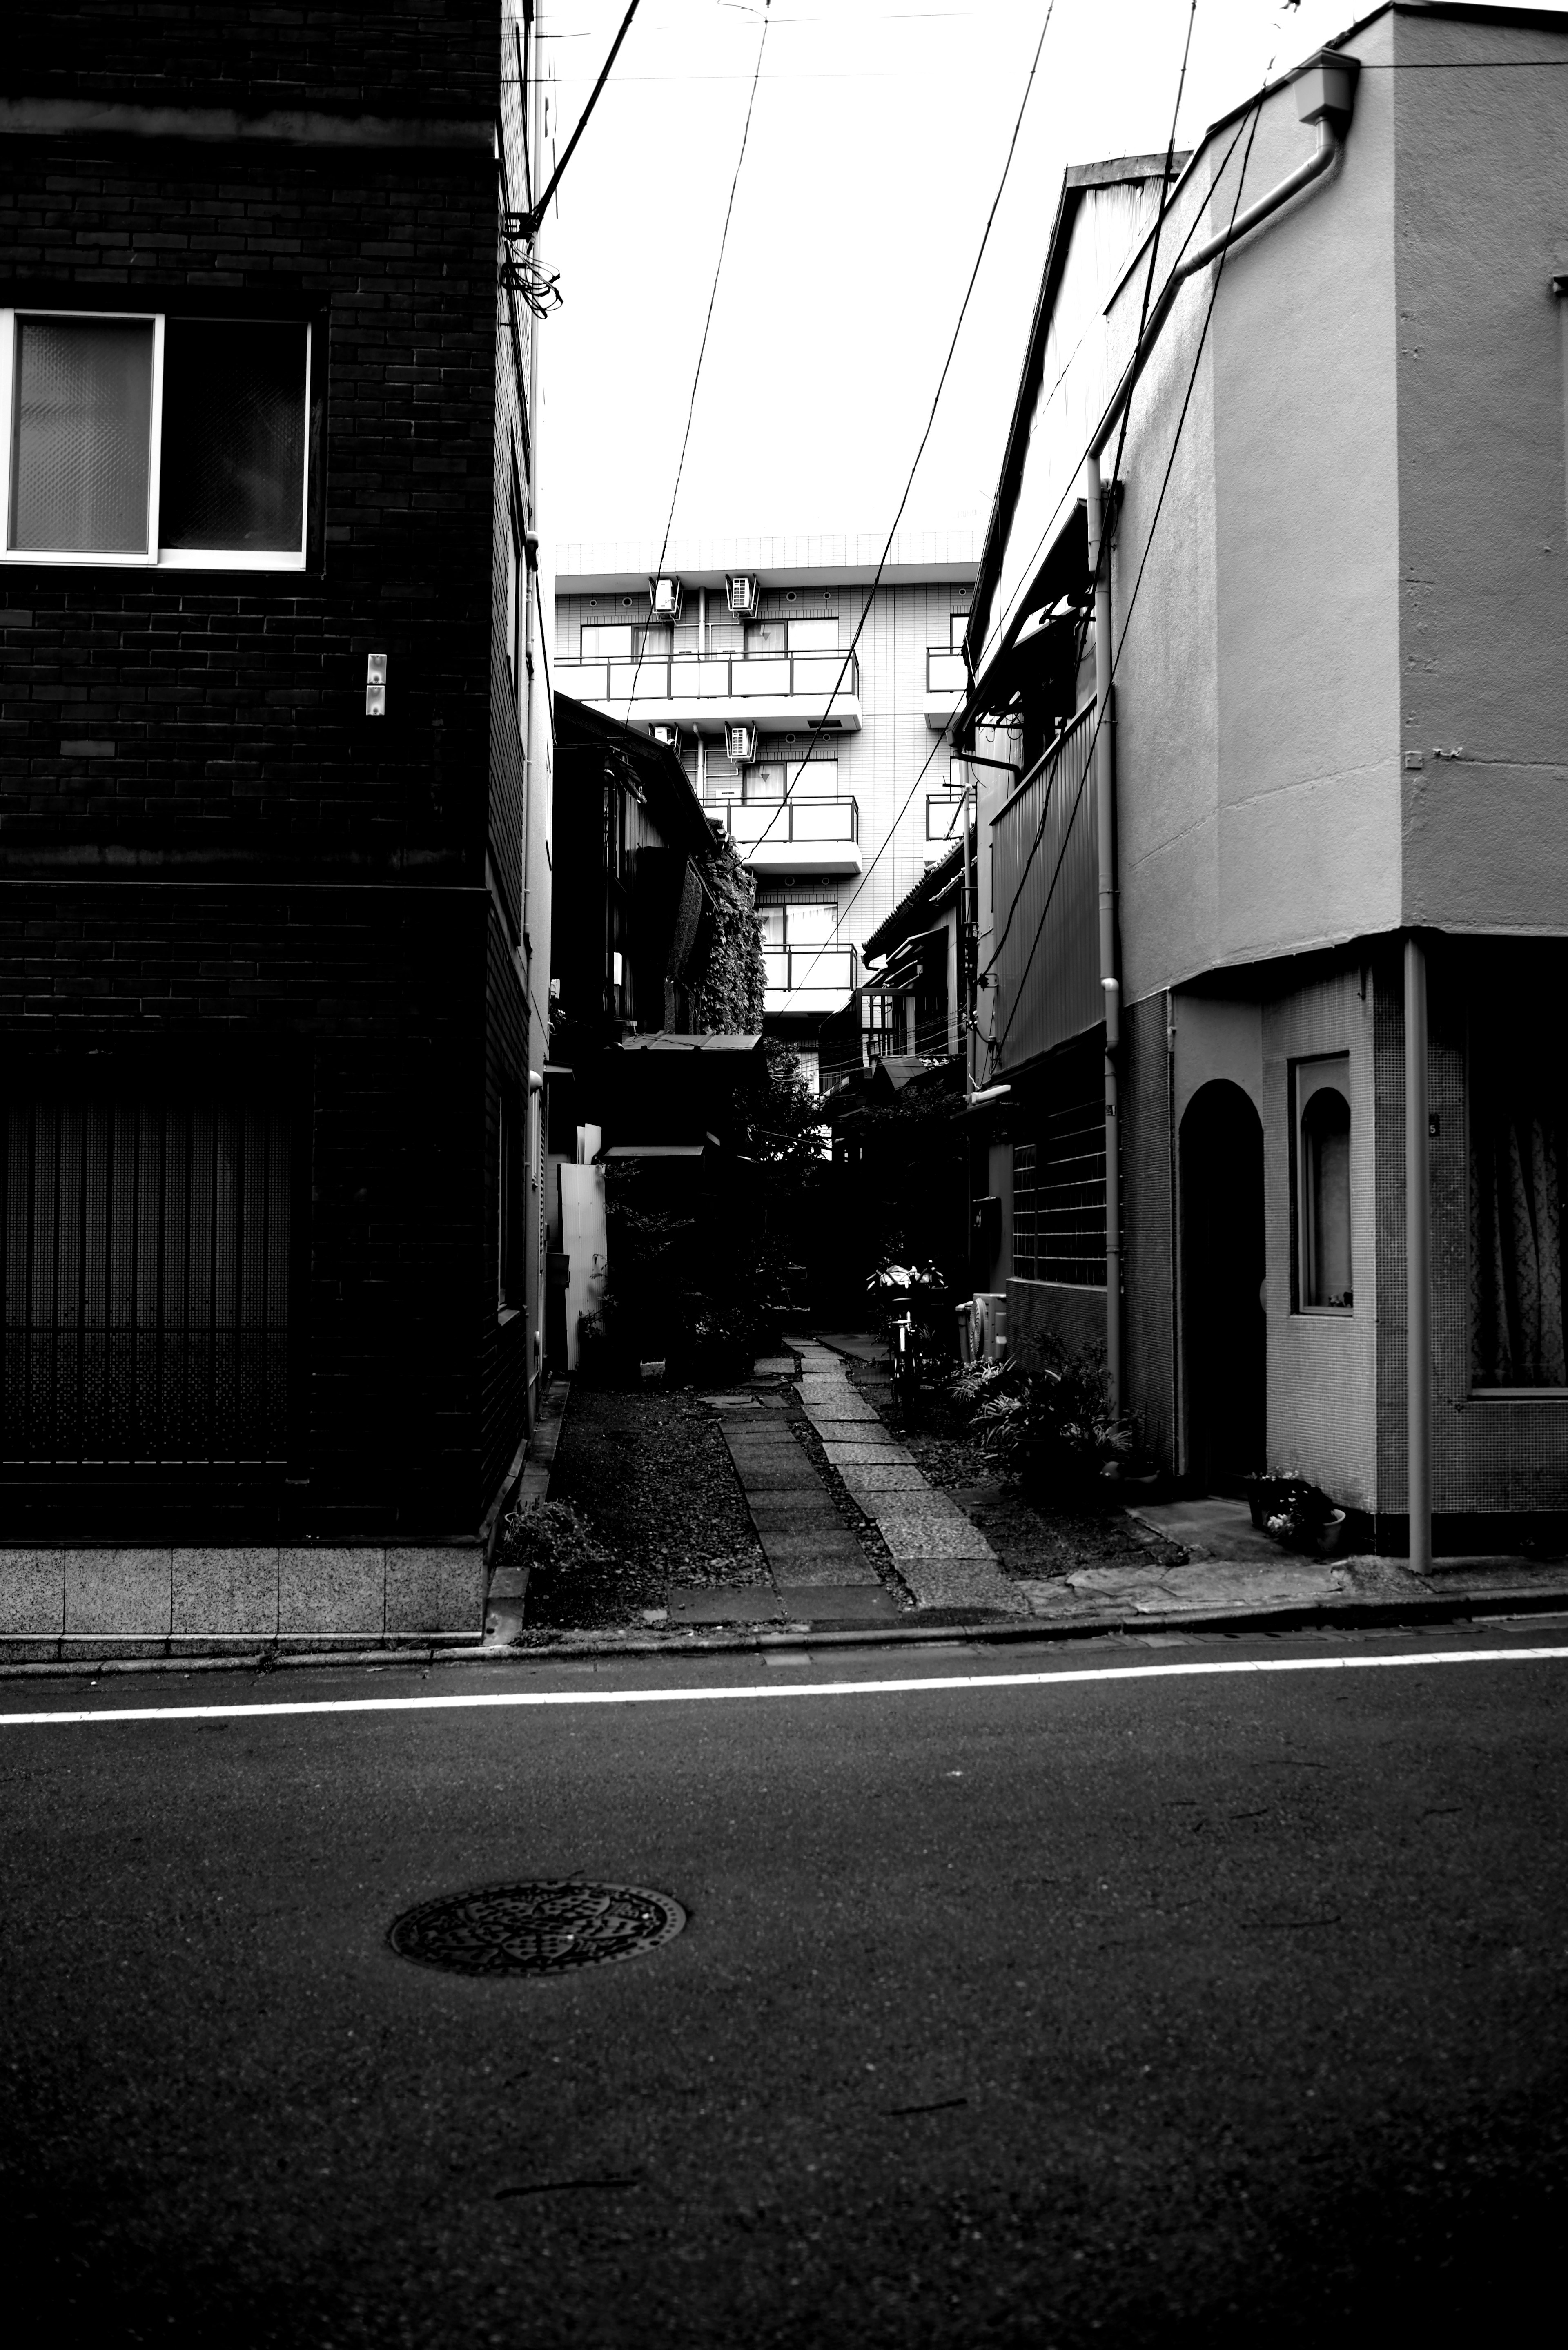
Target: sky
x,y
875,152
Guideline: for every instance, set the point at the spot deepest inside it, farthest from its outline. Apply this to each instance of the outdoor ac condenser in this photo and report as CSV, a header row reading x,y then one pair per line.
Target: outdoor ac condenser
x,y
740,588
665,596
740,744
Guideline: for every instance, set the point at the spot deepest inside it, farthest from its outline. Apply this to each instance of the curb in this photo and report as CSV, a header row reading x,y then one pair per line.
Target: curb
x,y
1035,1631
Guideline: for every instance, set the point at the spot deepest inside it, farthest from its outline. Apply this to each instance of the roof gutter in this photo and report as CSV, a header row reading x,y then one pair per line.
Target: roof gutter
x,y
1325,94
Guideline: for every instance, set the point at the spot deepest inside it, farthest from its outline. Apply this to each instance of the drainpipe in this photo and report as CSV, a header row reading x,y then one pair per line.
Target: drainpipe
x,y
1325,94
1418,1260
1110,976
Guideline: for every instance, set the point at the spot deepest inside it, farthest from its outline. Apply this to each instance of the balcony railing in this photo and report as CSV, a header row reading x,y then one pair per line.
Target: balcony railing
x,y
764,823
714,677
945,671
829,970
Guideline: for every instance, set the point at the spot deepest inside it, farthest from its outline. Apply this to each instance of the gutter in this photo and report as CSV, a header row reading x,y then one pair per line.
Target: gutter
x,y
1325,94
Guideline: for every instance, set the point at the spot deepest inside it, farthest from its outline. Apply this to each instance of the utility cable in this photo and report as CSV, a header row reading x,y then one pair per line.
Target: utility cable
x,y
996,1048
888,547
701,349
1103,551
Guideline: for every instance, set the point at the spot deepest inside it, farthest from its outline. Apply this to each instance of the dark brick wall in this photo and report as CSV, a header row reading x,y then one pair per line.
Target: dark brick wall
x,y
366,1004
398,56
243,862
232,704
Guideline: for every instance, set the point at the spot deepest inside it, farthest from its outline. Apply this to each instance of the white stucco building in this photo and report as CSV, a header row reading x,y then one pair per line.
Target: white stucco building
x,y
814,729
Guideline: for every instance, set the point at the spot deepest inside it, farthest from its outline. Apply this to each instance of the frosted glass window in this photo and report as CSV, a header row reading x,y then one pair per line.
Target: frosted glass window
x,y
1324,1187
811,926
81,429
771,921
598,642
233,436
814,779
766,782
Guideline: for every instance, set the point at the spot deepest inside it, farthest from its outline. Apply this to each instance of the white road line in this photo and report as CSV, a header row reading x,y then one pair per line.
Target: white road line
x,y
479,1700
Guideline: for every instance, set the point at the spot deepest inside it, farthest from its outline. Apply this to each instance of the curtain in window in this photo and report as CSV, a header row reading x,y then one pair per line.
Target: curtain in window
x,y
1519,1130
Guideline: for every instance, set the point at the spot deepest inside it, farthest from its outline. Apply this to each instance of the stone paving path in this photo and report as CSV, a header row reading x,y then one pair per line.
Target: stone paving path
x,y
944,1558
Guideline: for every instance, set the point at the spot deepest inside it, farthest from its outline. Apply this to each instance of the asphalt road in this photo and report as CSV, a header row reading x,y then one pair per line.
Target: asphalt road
x,y
1193,2009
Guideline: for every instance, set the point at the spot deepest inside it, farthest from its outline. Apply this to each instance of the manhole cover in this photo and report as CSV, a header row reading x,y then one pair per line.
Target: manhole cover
x,y
543,1929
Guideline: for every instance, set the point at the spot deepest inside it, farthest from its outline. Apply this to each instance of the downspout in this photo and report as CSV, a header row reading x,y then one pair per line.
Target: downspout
x,y
1110,976
1325,94
1418,1260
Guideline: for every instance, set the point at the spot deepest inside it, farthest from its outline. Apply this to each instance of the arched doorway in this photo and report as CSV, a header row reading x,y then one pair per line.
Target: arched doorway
x,y
1224,1333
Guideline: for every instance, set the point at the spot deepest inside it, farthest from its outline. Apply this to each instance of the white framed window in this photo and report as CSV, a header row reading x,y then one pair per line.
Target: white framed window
x,y
813,779
143,438
945,815
1323,1185
958,626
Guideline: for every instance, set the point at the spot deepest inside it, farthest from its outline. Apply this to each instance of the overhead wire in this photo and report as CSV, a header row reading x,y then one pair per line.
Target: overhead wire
x,y
702,347
1103,553
821,726
996,1048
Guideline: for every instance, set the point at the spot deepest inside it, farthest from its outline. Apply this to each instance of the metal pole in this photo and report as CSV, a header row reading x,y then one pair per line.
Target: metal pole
x,y
1418,1260
1110,983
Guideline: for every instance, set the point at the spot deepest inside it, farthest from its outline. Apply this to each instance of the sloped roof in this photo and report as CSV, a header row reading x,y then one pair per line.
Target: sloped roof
x,y
911,913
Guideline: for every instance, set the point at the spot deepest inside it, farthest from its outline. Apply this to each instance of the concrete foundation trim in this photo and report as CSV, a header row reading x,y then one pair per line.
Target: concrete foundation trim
x,y
182,1597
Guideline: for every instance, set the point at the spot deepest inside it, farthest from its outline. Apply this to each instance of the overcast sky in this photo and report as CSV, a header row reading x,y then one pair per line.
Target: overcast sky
x,y
875,147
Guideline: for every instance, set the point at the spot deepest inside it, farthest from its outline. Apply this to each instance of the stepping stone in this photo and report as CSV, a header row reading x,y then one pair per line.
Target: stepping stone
x,y
963,1583
810,1557
882,1477
750,1606
887,1454
931,1537
780,1477
773,1366
839,1407
923,1502
828,1603
730,1403
785,1514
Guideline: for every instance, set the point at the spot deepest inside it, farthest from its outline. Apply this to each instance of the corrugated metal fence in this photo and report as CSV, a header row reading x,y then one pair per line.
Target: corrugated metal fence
x,y
1046,875
145,1280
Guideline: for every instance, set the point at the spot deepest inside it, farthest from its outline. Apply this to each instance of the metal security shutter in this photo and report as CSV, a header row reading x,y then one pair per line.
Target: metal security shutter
x,y
145,1281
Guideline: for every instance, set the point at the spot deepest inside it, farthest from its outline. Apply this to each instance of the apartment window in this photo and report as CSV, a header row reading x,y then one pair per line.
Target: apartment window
x,y
958,625
1059,1198
819,635
1323,1185
813,779
598,642
1518,1204
944,815
155,439
765,781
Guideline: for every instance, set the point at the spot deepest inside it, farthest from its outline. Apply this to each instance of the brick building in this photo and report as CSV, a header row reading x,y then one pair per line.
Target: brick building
x,y
274,798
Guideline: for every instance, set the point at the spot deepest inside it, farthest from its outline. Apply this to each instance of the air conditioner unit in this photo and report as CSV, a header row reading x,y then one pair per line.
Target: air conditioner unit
x,y
740,744
669,736
740,588
666,596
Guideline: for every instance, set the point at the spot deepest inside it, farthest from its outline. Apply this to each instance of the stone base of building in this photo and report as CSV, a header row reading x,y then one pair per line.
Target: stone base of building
x,y
60,1601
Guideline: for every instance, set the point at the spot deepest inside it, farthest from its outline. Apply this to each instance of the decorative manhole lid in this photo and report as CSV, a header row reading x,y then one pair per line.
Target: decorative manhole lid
x,y
546,1928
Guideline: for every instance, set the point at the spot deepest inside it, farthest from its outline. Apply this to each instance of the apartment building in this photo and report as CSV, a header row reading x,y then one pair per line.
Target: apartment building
x,y
273,785
815,730
1274,1098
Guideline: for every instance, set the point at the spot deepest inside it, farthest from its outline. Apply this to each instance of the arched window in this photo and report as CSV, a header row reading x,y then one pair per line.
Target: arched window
x,y
1323,1191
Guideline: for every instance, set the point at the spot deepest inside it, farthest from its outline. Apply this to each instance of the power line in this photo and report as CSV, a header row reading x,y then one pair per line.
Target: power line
x,y
908,485
703,348
996,1048
1103,551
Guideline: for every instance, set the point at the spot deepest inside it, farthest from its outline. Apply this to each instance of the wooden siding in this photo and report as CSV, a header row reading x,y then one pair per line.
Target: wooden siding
x,y
1045,889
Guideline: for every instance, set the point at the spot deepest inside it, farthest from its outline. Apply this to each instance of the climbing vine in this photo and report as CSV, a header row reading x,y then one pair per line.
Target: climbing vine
x,y
727,998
